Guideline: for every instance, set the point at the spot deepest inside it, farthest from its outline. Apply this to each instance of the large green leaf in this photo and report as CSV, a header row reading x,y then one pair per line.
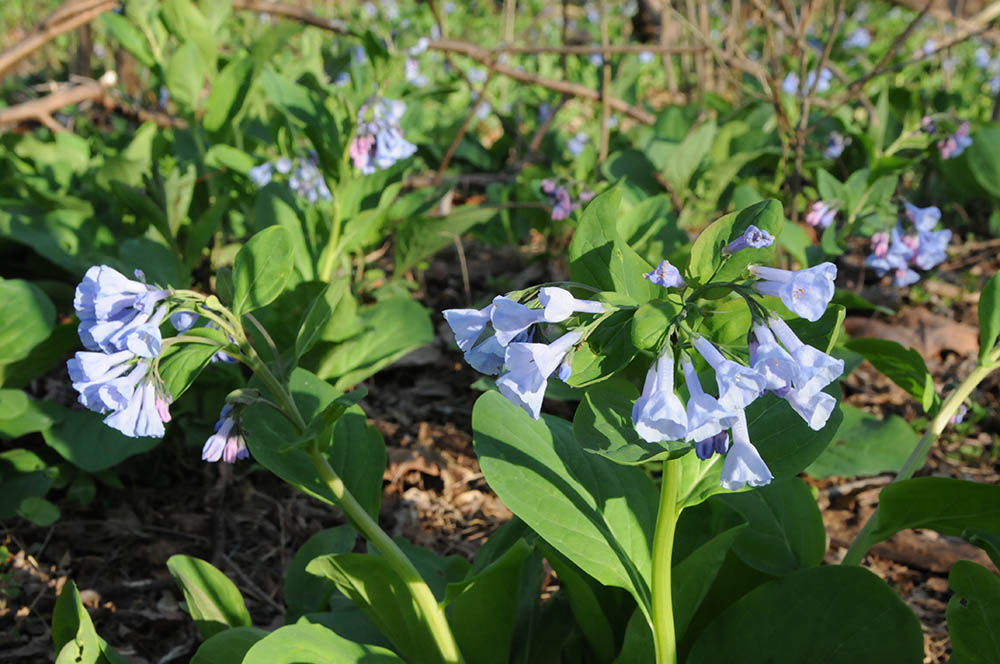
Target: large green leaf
x,y
785,531
214,602
864,445
228,646
305,643
601,258
607,350
421,237
692,577
88,443
261,269
276,205
706,252
598,514
229,91
785,441
73,634
822,615
972,614
372,583
27,318
306,592
946,505
904,366
482,609
989,316
983,157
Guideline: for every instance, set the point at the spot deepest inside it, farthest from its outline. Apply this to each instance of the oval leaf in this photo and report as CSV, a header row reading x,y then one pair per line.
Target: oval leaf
x,y
261,270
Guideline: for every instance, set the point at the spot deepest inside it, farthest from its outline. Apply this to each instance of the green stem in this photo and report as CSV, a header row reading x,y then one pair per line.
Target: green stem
x,y
428,605
863,541
332,250
664,638
422,596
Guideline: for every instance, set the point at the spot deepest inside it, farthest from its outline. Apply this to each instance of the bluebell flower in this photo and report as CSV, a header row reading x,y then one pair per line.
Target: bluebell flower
x,y
89,371
835,144
960,414
705,415
645,57
596,59
283,165
982,58
743,465
342,79
307,181
738,385
816,369
511,318
860,38
262,174
658,414
790,85
476,75
413,74
956,144
928,47
577,143
932,249
379,141
778,368
666,275
143,405
820,215
419,47
467,325
183,320
806,292
752,238
717,444
924,219
228,443
559,304
529,366
112,307
814,409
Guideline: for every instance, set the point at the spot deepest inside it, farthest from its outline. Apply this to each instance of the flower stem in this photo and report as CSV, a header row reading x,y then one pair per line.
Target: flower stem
x,y
863,541
664,639
420,592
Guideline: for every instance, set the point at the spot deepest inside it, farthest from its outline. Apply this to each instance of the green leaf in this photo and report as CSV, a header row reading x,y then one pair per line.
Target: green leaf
x,y
785,531
229,92
129,37
983,157
261,269
186,75
306,592
38,511
482,609
27,318
988,542
20,415
83,439
989,317
304,643
358,453
214,602
228,646
603,425
372,583
73,633
946,505
698,479
598,514
865,445
706,252
680,164
601,258
972,613
177,191
692,577
828,614
180,364
903,366
421,237
607,350
319,314
188,23
650,323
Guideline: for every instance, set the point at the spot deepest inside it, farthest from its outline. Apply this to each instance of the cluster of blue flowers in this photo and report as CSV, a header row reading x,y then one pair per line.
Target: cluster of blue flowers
x,y
835,144
955,144
780,362
899,252
791,83
306,180
120,322
379,141
120,326
560,200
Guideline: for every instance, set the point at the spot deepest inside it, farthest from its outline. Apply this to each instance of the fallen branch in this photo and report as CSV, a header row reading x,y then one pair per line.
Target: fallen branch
x,y
69,16
295,13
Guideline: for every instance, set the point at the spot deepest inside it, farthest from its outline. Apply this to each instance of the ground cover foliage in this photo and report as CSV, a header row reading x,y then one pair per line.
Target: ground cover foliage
x,y
714,377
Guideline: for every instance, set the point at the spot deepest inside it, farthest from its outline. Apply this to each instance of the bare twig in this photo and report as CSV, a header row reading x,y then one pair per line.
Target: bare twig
x,y
69,16
589,49
605,85
37,109
295,13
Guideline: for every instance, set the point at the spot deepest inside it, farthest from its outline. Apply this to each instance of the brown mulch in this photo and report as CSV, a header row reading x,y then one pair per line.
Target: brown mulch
x,y
249,524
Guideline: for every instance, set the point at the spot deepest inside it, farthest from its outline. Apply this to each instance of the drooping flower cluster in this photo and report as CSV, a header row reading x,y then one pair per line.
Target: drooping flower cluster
x,y
306,180
524,366
805,292
560,200
379,141
898,251
120,326
820,215
835,144
954,145
780,363
229,440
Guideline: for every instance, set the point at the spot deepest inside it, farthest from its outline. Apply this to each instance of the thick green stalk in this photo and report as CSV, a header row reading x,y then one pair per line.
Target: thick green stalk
x,y
421,593
863,541
664,638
